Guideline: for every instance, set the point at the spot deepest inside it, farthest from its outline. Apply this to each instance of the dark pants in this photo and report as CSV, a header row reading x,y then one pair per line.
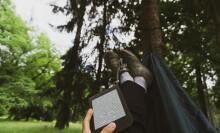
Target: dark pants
x,y
135,97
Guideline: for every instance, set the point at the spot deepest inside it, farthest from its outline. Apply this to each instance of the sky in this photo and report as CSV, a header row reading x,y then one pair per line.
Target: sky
x,y
38,14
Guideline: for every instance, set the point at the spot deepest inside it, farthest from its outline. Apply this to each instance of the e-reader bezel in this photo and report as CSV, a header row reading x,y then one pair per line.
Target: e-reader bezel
x,y
121,123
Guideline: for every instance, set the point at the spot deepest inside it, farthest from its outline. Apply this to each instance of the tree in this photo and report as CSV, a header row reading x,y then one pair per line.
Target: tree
x,y
190,38
186,30
150,26
27,66
72,61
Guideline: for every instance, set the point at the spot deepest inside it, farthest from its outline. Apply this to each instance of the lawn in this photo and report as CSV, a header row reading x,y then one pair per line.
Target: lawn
x,y
35,127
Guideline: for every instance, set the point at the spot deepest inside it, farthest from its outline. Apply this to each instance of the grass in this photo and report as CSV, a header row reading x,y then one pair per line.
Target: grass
x,y
35,127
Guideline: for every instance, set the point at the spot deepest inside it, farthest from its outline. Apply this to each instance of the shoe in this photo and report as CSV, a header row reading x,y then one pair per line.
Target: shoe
x,y
135,66
112,61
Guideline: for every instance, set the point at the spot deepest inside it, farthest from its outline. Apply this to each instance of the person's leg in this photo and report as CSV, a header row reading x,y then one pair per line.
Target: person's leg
x,y
125,76
141,81
134,95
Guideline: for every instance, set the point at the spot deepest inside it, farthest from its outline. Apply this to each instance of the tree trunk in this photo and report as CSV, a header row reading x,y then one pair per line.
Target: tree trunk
x,y
209,104
216,18
69,73
200,89
101,50
150,27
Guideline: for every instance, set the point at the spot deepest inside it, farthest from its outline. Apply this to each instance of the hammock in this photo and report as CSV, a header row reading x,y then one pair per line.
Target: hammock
x,y
170,109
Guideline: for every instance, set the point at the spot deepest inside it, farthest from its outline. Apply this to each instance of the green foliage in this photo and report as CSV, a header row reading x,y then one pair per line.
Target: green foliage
x,y
191,43
27,68
13,31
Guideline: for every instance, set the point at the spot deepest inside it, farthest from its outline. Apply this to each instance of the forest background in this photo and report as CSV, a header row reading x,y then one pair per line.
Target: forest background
x,y
37,83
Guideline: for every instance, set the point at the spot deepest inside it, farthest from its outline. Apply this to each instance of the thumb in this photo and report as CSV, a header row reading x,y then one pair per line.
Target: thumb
x,y
110,128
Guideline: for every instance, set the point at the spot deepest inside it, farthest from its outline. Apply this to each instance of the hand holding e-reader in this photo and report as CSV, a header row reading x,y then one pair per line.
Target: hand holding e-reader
x,y
109,106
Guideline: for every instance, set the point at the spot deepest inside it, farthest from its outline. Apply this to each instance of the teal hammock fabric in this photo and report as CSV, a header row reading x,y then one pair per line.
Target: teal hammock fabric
x,y
170,109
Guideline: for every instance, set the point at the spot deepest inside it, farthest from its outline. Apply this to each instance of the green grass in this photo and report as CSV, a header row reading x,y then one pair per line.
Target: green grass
x,y
35,127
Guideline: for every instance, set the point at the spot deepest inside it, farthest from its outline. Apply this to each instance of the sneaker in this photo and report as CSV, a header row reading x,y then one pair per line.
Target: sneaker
x,y
112,61
135,66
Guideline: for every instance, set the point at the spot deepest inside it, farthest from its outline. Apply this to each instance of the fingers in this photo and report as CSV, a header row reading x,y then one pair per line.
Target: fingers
x,y
86,121
110,128
86,124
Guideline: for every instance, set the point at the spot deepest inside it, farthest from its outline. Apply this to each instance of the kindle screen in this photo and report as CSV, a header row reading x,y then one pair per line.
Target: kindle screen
x,y
107,108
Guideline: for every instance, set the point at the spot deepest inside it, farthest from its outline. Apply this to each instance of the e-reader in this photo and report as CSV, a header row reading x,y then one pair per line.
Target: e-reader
x,y
110,106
